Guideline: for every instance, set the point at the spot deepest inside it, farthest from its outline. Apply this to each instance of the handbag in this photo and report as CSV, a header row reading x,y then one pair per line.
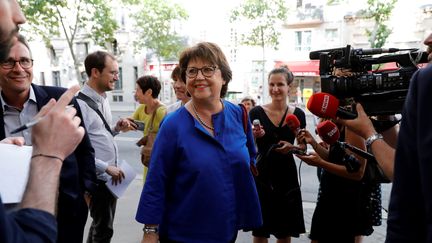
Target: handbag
x,y
147,142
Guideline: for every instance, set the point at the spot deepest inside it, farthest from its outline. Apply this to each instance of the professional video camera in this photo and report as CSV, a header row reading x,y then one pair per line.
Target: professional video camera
x,y
379,91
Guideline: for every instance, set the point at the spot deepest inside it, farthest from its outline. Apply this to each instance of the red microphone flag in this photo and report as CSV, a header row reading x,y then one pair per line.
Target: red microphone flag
x,y
323,105
328,131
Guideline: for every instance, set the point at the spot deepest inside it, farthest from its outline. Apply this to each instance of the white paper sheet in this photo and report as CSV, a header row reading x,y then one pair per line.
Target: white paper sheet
x,y
14,169
119,189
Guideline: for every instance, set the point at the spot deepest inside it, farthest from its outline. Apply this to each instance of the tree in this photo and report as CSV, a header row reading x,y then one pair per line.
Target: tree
x,y
262,17
379,11
73,20
155,23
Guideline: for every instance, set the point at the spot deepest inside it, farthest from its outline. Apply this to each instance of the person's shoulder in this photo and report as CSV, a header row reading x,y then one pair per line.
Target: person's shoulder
x,y
298,110
230,105
140,107
175,119
52,91
256,110
162,107
173,107
425,73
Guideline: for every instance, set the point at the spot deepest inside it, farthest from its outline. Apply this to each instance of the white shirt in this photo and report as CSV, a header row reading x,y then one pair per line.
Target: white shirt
x,y
106,150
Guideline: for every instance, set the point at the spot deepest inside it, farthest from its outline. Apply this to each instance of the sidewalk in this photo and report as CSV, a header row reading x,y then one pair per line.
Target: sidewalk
x,y
127,230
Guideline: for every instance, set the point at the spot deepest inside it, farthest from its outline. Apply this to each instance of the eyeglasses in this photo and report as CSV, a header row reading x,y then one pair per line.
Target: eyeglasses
x,y
25,63
207,71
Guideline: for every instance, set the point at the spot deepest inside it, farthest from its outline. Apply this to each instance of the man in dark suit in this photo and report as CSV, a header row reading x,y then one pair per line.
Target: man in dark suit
x,y
20,101
410,214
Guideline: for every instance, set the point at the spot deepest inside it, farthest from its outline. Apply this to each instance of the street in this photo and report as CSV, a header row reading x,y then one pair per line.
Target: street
x,y
127,230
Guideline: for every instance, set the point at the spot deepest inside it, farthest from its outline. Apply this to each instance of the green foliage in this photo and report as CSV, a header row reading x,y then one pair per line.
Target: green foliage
x,y
379,11
155,23
49,18
263,16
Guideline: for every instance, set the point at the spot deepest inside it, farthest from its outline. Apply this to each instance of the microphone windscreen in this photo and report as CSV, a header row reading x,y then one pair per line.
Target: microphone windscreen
x,y
323,105
328,131
292,122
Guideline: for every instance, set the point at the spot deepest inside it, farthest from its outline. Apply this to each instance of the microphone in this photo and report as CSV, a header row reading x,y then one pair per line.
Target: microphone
x,y
256,124
327,106
293,123
329,133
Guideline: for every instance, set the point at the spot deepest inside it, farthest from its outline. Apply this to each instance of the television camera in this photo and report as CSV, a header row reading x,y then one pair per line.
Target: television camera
x,y
381,92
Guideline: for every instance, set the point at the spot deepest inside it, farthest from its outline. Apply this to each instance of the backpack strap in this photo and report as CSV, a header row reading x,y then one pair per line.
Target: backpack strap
x,y
92,104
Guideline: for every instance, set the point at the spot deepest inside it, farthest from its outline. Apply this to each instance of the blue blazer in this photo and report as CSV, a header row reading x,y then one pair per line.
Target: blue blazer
x,y
78,171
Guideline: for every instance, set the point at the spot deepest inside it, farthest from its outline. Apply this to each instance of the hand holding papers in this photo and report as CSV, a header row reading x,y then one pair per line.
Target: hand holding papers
x,y
119,189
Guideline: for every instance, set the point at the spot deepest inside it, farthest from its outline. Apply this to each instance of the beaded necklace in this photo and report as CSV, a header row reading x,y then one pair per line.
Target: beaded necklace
x,y
199,118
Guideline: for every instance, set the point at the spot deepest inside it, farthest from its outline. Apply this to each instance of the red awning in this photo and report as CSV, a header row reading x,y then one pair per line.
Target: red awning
x,y
301,68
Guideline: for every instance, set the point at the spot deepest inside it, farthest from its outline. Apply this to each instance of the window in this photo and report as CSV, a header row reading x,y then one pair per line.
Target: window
x,y
56,78
117,98
53,54
42,78
299,3
257,66
331,35
135,73
115,47
119,83
303,40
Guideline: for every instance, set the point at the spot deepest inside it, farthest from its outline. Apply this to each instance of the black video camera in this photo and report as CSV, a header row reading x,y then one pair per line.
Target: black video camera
x,y
381,92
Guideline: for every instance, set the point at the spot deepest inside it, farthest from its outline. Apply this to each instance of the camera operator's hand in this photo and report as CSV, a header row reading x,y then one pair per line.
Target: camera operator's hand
x,y
362,125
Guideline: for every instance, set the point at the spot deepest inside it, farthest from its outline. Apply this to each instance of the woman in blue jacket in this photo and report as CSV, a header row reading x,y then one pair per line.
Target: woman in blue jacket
x,y
199,186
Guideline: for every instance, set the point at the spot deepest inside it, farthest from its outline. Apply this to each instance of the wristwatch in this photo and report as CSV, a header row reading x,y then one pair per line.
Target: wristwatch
x,y
372,139
150,229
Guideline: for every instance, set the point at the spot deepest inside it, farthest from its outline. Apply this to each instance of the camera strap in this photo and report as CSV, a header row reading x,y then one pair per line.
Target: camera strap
x,y
92,104
381,126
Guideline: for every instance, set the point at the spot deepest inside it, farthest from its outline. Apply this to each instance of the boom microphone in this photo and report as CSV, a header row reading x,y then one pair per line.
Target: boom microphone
x,y
315,55
327,106
374,51
329,133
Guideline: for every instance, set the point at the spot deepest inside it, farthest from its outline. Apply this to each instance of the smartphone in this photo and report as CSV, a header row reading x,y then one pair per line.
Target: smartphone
x,y
256,123
140,125
299,151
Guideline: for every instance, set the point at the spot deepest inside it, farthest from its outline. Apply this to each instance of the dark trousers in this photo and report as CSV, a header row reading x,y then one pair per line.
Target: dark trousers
x,y
71,218
102,210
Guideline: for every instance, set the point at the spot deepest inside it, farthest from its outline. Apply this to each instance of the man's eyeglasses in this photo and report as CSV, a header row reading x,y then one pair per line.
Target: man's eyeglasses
x,y
207,71
25,63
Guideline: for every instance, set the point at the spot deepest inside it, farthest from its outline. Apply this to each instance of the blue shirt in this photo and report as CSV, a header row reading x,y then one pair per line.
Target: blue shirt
x,y
27,225
199,188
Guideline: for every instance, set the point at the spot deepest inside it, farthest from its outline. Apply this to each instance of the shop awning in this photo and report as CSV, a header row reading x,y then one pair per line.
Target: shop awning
x,y
301,68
